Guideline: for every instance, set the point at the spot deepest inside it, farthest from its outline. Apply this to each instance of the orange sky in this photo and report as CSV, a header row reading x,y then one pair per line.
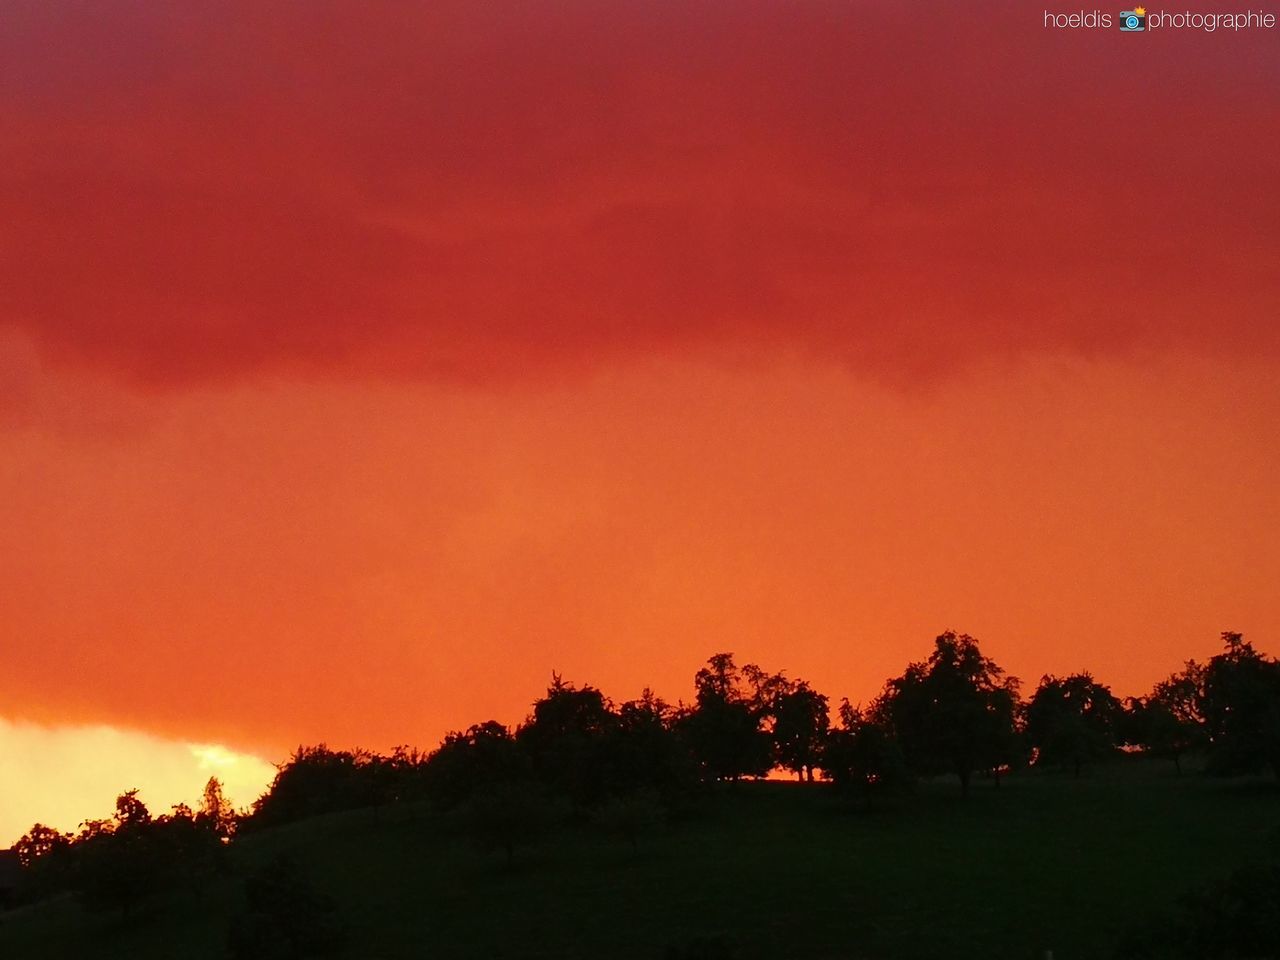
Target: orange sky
x,y
362,363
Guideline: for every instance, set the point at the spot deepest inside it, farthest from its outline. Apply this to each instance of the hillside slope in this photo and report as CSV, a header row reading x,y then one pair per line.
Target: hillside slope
x,y
778,870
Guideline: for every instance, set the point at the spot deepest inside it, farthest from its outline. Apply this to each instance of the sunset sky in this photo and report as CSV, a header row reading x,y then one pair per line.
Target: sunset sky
x,y
362,363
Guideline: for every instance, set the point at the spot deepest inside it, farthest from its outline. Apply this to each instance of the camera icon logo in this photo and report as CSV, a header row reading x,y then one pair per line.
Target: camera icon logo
x,y
1133,21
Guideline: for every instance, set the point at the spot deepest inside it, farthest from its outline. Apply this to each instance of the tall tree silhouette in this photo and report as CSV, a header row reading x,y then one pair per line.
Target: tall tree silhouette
x,y
724,728
800,723
45,855
952,714
1240,702
1168,721
216,812
118,863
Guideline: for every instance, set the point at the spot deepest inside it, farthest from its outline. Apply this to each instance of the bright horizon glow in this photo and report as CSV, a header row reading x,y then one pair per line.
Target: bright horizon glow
x,y
63,776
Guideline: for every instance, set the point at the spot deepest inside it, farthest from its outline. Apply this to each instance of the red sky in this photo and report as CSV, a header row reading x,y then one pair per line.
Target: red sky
x,y
362,363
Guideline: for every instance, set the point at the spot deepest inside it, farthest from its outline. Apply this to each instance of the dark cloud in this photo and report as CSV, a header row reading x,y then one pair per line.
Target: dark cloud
x,y
482,190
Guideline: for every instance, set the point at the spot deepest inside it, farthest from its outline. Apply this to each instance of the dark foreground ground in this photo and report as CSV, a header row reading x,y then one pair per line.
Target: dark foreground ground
x,y
779,870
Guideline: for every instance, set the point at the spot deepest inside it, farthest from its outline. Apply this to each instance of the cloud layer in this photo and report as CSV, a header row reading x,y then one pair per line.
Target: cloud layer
x,y
485,191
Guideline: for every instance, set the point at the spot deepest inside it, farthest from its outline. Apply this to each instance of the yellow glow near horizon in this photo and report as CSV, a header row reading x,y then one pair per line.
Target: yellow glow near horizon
x,y
62,776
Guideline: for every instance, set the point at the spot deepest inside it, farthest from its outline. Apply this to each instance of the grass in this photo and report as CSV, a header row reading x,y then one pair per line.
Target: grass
x,y
1042,863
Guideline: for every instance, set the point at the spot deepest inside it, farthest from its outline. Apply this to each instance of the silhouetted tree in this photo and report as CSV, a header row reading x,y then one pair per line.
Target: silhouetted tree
x,y
644,753
761,689
318,780
724,727
1167,722
719,679
800,723
1162,733
1181,694
1008,744
481,758
1072,721
118,862
954,713
216,813
1240,702
565,738
862,758
41,843
45,857
131,812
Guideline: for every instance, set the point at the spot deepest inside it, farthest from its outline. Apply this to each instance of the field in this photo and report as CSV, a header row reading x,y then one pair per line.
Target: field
x,y
779,870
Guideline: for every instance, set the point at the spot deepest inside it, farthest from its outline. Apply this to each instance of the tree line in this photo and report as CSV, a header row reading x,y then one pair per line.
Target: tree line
x,y
624,767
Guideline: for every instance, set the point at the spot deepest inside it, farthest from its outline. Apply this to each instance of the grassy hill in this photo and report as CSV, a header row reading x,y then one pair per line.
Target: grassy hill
x,y
781,870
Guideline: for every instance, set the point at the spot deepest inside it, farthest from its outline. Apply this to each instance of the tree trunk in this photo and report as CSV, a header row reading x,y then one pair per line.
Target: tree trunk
x,y
964,783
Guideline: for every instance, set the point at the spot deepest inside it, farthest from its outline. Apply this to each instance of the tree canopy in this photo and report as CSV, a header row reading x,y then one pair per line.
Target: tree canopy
x,y
955,713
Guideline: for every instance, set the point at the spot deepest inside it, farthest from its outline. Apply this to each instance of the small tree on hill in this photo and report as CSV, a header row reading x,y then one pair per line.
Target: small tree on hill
x,y
1073,721
1167,722
216,813
319,780
800,724
862,758
45,857
118,862
41,844
479,759
565,739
